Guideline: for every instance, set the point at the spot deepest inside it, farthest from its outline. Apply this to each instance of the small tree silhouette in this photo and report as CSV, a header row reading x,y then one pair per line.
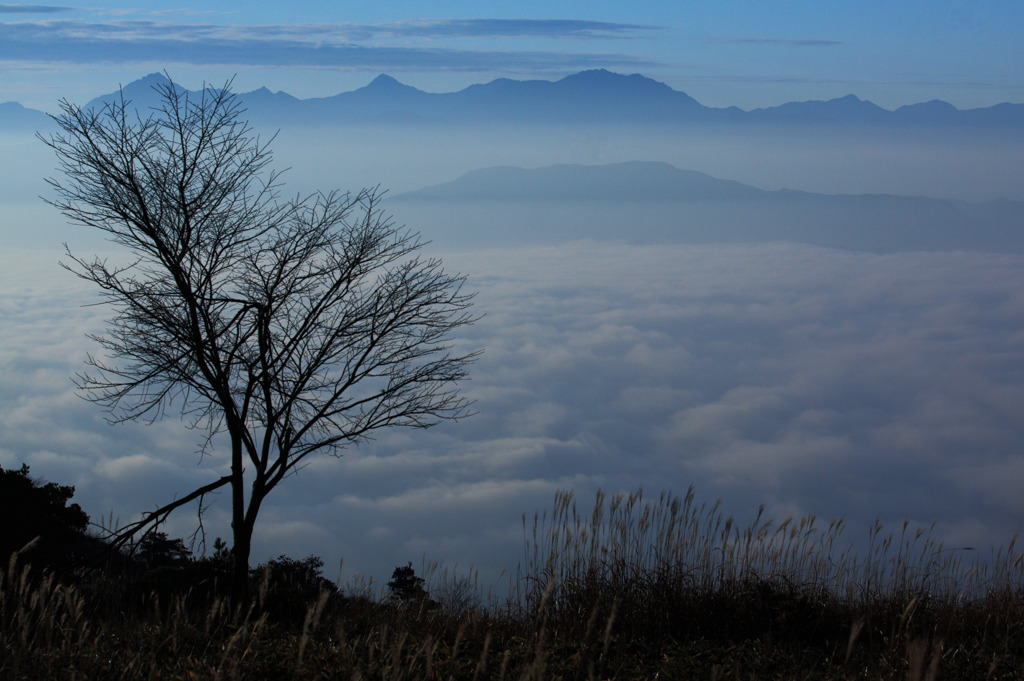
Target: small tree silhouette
x,y
405,586
156,549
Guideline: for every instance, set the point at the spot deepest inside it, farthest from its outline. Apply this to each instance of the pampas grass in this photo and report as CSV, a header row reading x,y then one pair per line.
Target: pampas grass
x,y
627,587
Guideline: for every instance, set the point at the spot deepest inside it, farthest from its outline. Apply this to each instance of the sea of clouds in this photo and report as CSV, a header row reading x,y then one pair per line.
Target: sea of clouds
x,y
805,379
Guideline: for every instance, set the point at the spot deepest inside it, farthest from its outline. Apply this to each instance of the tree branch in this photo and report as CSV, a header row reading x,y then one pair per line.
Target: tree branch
x,y
124,535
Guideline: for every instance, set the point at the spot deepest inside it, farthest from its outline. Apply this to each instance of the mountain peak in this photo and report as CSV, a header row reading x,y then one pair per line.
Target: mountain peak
x,y
152,79
594,75
142,93
385,83
383,80
146,84
606,78
263,96
933,105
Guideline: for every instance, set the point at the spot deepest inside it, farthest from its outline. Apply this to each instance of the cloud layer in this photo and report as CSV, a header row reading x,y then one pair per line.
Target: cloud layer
x,y
807,379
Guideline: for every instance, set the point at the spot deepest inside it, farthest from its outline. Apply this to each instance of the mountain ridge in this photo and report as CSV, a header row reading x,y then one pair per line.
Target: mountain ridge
x,y
16,118
592,96
628,180
655,202
632,180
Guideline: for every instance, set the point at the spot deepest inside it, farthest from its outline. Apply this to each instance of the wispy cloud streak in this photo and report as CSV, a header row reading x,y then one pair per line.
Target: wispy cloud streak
x,y
787,42
420,28
33,9
531,28
314,45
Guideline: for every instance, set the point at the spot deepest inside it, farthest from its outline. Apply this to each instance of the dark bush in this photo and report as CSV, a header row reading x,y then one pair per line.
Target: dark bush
x,y
286,587
33,510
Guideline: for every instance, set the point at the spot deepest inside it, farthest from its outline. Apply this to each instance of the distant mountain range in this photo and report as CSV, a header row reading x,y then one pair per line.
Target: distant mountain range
x,y
650,202
633,181
596,96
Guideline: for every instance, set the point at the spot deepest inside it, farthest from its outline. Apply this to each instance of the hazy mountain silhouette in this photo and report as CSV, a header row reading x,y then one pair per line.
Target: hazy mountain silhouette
x,y
589,96
658,203
848,109
645,202
637,180
596,96
142,93
14,118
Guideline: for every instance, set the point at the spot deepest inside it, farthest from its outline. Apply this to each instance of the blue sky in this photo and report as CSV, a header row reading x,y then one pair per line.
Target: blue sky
x,y
723,52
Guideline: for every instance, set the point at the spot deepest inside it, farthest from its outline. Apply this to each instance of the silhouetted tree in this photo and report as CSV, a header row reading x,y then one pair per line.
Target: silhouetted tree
x,y
156,549
405,586
292,326
29,510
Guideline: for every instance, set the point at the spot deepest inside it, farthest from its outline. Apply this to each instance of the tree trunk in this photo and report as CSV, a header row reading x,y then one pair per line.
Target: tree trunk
x,y
240,565
241,530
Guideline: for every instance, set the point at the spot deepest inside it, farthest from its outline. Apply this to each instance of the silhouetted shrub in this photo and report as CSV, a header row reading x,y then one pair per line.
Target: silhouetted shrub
x,y
30,509
286,587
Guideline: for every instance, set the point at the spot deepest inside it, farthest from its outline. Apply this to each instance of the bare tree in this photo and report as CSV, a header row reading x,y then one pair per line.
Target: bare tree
x,y
293,327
